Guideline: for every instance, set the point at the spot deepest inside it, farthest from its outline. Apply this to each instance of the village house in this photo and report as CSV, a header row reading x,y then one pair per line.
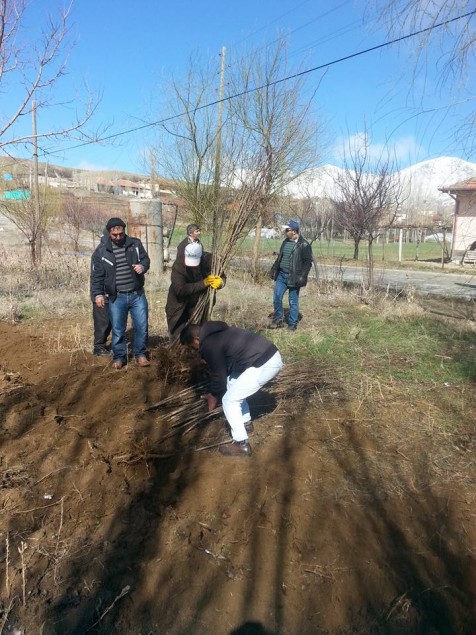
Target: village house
x,y
464,221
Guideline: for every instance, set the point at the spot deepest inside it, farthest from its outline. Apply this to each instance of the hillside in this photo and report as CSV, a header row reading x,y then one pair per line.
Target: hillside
x,y
421,180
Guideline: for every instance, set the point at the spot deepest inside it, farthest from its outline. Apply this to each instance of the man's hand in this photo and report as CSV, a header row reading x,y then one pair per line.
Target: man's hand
x,y
215,282
100,301
138,268
212,401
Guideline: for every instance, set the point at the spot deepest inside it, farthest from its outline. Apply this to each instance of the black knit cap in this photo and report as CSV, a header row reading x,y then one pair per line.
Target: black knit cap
x,y
115,222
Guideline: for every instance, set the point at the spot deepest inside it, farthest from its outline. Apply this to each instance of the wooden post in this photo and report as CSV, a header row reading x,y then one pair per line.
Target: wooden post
x,y
36,235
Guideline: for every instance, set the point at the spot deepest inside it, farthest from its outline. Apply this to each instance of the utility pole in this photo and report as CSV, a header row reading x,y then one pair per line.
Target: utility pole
x,y
217,179
218,152
443,248
157,215
36,233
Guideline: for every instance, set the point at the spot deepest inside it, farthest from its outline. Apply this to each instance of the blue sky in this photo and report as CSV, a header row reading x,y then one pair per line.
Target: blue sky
x,y
129,51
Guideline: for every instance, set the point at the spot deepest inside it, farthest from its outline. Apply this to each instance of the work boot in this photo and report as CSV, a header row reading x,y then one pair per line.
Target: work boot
x,y
249,427
143,361
292,327
118,364
277,323
236,448
100,351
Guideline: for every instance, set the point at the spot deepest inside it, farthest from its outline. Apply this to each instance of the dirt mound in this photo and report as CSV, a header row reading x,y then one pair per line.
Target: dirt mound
x,y
110,524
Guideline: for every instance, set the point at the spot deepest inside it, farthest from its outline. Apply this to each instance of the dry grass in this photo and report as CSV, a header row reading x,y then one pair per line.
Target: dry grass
x,y
58,286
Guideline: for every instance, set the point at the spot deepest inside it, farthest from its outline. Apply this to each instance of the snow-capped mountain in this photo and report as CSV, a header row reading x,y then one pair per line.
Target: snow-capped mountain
x,y
316,182
421,181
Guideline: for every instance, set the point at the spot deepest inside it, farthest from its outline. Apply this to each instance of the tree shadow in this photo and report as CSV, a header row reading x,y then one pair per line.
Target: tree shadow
x,y
251,628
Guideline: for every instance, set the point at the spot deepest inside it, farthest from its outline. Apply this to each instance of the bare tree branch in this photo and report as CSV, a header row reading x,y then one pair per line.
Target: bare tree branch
x,y
34,67
368,194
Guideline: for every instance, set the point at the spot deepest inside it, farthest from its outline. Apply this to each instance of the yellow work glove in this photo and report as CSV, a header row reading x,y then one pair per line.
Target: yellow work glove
x,y
217,283
209,280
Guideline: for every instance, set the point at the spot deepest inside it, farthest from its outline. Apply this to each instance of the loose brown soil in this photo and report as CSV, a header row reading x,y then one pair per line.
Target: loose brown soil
x,y
337,523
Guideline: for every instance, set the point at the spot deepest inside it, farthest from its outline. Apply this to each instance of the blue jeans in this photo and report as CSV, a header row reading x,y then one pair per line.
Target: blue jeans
x,y
280,288
134,303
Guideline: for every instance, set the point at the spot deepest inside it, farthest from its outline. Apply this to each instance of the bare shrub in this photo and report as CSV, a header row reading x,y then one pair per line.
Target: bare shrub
x,y
58,284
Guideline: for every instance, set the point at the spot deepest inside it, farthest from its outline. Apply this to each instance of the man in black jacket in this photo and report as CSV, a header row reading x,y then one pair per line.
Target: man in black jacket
x,y
189,280
118,267
101,321
193,236
290,272
240,363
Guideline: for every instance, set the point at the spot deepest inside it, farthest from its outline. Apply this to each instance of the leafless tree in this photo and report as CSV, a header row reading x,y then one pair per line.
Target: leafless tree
x,y
73,210
32,67
95,219
275,116
368,195
75,216
450,49
185,150
317,218
30,217
266,139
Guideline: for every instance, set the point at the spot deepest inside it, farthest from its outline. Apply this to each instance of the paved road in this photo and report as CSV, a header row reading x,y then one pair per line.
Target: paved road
x,y
456,286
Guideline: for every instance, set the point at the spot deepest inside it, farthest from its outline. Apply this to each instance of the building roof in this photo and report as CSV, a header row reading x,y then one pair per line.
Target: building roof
x,y
16,195
462,186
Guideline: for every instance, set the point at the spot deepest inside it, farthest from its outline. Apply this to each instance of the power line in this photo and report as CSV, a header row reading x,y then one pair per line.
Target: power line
x,y
273,83
299,28
279,17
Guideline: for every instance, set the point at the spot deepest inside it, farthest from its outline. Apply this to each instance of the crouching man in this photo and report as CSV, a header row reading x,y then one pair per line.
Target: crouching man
x,y
240,363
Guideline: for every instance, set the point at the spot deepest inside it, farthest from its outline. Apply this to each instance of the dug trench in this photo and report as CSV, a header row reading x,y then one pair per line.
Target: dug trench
x,y
121,517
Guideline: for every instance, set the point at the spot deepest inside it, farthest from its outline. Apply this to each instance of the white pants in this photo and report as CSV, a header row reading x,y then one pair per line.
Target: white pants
x,y
239,387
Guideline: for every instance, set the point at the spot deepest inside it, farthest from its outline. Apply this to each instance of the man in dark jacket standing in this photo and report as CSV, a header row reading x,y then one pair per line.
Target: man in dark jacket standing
x,y
240,363
193,236
290,272
189,280
118,267
101,321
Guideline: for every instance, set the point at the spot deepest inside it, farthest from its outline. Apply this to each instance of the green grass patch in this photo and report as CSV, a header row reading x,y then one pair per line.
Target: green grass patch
x,y
334,250
417,351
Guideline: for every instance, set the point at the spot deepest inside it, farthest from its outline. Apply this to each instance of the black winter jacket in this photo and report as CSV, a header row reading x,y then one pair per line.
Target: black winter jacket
x,y
187,285
103,267
300,264
104,237
228,349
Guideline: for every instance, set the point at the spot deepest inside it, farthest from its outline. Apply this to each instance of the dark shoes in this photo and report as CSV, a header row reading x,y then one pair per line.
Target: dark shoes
x,y
276,324
249,427
100,351
141,361
292,327
236,448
